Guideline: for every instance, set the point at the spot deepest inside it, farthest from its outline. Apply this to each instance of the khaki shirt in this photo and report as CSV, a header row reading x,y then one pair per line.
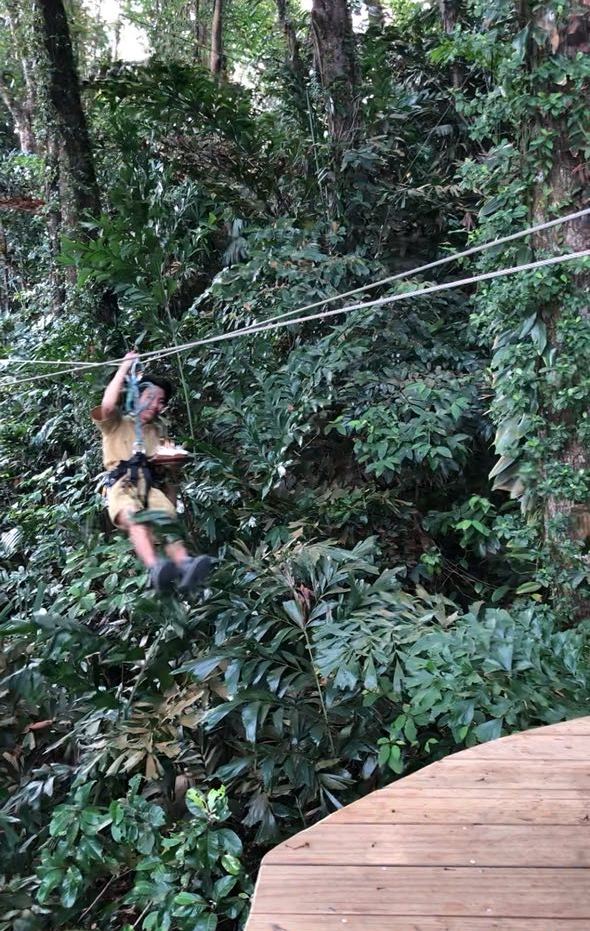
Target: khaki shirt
x,y
118,436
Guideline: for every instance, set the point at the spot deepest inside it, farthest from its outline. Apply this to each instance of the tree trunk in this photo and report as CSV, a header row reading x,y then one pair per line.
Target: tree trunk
x,y
335,63
4,273
54,222
199,31
21,108
116,40
294,59
216,63
24,129
64,94
375,14
22,117
449,14
69,134
566,521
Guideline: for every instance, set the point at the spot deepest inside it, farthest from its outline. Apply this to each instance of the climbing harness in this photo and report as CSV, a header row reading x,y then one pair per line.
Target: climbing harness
x,y
134,469
137,469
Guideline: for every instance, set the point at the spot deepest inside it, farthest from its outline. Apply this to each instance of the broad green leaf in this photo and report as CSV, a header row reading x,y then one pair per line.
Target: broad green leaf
x,y
490,730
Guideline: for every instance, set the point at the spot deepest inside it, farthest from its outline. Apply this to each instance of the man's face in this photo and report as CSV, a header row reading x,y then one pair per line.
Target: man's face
x,y
152,402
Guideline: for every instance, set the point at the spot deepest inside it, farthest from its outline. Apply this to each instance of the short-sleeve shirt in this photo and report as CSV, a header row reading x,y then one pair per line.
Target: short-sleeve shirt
x,y
118,436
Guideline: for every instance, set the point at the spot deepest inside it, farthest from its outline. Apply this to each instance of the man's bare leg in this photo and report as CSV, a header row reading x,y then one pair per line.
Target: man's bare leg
x,y
163,572
177,552
189,571
141,539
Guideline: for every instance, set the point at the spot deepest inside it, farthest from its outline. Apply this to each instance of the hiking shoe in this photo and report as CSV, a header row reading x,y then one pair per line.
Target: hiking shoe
x,y
194,572
163,575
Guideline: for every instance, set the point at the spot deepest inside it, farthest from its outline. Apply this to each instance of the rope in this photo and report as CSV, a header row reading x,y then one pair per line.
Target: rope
x,y
278,323
391,299
435,264
158,354
134,404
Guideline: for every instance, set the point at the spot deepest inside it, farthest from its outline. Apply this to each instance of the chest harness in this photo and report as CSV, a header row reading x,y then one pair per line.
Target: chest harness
x,y
137,469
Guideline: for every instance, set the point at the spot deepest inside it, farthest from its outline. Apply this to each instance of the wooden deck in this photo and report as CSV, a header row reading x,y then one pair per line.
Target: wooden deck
x,y
496,838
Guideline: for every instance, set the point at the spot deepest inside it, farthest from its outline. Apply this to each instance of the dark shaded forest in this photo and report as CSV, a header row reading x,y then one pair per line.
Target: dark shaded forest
x,y
396,496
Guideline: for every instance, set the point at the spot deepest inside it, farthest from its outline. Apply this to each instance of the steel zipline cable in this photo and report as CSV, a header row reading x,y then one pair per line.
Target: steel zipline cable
x,y
288,318
277,324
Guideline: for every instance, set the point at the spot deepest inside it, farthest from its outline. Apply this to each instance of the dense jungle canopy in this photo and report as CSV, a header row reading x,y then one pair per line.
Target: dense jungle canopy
x,y
397,497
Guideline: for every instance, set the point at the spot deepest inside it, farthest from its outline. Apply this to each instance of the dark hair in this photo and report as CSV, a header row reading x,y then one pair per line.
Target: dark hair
x,y
161,382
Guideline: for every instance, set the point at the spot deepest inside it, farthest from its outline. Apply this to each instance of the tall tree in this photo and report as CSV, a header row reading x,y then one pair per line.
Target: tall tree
x,y
336,66
565,183
542,397
70,152
53,197
375,13
17,86
449,14
449,10
216,62
63,91
21,114
293,47
199,28
4,272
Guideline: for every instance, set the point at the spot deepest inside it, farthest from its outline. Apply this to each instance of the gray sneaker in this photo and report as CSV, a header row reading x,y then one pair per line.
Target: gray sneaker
x,y
194,572
163,575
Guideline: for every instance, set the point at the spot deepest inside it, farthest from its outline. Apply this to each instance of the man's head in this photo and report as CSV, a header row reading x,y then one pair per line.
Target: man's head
x,y
154,394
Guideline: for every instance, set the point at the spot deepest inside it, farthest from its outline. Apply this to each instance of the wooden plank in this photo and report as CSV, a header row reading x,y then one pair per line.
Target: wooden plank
x,y
406,789
550,747
436,845
521,800
459,771
409,923
440,807
575,726
442,891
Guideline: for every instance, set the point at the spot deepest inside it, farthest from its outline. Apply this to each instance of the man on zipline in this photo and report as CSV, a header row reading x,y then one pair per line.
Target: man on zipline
x,y
131,484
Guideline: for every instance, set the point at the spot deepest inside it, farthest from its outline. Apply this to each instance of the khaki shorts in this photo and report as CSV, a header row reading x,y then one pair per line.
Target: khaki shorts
x,y
125,497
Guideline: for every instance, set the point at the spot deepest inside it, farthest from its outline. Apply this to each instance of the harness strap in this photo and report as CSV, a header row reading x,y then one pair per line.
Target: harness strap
x,y
135,468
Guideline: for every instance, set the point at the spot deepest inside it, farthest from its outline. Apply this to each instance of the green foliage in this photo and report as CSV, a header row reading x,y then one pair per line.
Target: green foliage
x,y
473,521
491,673
386,591
172,226
422,431
535,325
187,875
